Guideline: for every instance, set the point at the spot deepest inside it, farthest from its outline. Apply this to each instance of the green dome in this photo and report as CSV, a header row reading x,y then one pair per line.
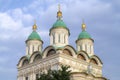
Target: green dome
x,y
34,35
84,35
59,23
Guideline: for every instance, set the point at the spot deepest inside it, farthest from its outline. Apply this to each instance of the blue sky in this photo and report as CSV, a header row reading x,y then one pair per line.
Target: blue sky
x,y
102,18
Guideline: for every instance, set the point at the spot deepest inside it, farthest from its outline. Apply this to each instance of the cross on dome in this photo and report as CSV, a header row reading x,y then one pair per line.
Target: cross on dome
x,y
59,13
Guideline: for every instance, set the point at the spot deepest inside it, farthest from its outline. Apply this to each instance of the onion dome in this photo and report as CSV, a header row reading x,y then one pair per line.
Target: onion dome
x,y
84,34
34,35
59,22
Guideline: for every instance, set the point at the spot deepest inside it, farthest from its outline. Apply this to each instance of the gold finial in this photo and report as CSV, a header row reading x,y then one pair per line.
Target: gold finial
x,y
34,26
59,13
83,25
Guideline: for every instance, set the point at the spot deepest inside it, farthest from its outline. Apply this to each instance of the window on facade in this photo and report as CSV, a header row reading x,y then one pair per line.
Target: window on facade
x,y
33,48
80,56
28,50
94,61
53,38
26,78
80,47
51,52
37,57
85,47
66,51
25,62
37,76
59,38
39,48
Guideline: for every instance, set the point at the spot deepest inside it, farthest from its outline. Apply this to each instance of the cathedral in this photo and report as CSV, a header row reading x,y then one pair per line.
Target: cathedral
x,y
83,62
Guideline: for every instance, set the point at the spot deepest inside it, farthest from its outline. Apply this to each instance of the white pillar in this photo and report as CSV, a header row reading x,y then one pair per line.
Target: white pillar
x,y
83,47
66,38
92,50
27,50
34,76
51,39
22,78
62,37
88,48
35,48
31,76
55,38
30,49
40,48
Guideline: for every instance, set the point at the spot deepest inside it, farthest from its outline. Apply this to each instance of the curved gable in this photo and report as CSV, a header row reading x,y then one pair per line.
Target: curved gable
x,y
98,60
71,49
83,53
22,59
33,56
46,50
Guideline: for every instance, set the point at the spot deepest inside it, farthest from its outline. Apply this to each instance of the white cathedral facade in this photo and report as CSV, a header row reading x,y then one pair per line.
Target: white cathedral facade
x,y
84,64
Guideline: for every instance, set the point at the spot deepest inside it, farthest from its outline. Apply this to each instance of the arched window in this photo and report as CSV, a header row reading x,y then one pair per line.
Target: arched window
x,y
25,62
28,50
53,38
37,57
39,48
59,38
80,56
80,47
33,48
37,76
51,52
66,51
93,61
64,39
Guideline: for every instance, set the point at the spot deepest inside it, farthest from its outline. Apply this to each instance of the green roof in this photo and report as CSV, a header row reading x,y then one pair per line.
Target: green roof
x,y
59,23
34,35
84,35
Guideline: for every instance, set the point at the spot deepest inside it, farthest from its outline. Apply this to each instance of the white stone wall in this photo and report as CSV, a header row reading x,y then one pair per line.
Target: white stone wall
x,y
32,46
86,45
59,37
84,76
54,62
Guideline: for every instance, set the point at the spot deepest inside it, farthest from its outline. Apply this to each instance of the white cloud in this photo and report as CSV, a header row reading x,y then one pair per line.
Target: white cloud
x,y
7,23
15,24
12,24
73,10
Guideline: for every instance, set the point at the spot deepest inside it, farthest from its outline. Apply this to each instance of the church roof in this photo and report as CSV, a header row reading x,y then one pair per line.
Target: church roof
x,y
34,35
84,35
59,23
